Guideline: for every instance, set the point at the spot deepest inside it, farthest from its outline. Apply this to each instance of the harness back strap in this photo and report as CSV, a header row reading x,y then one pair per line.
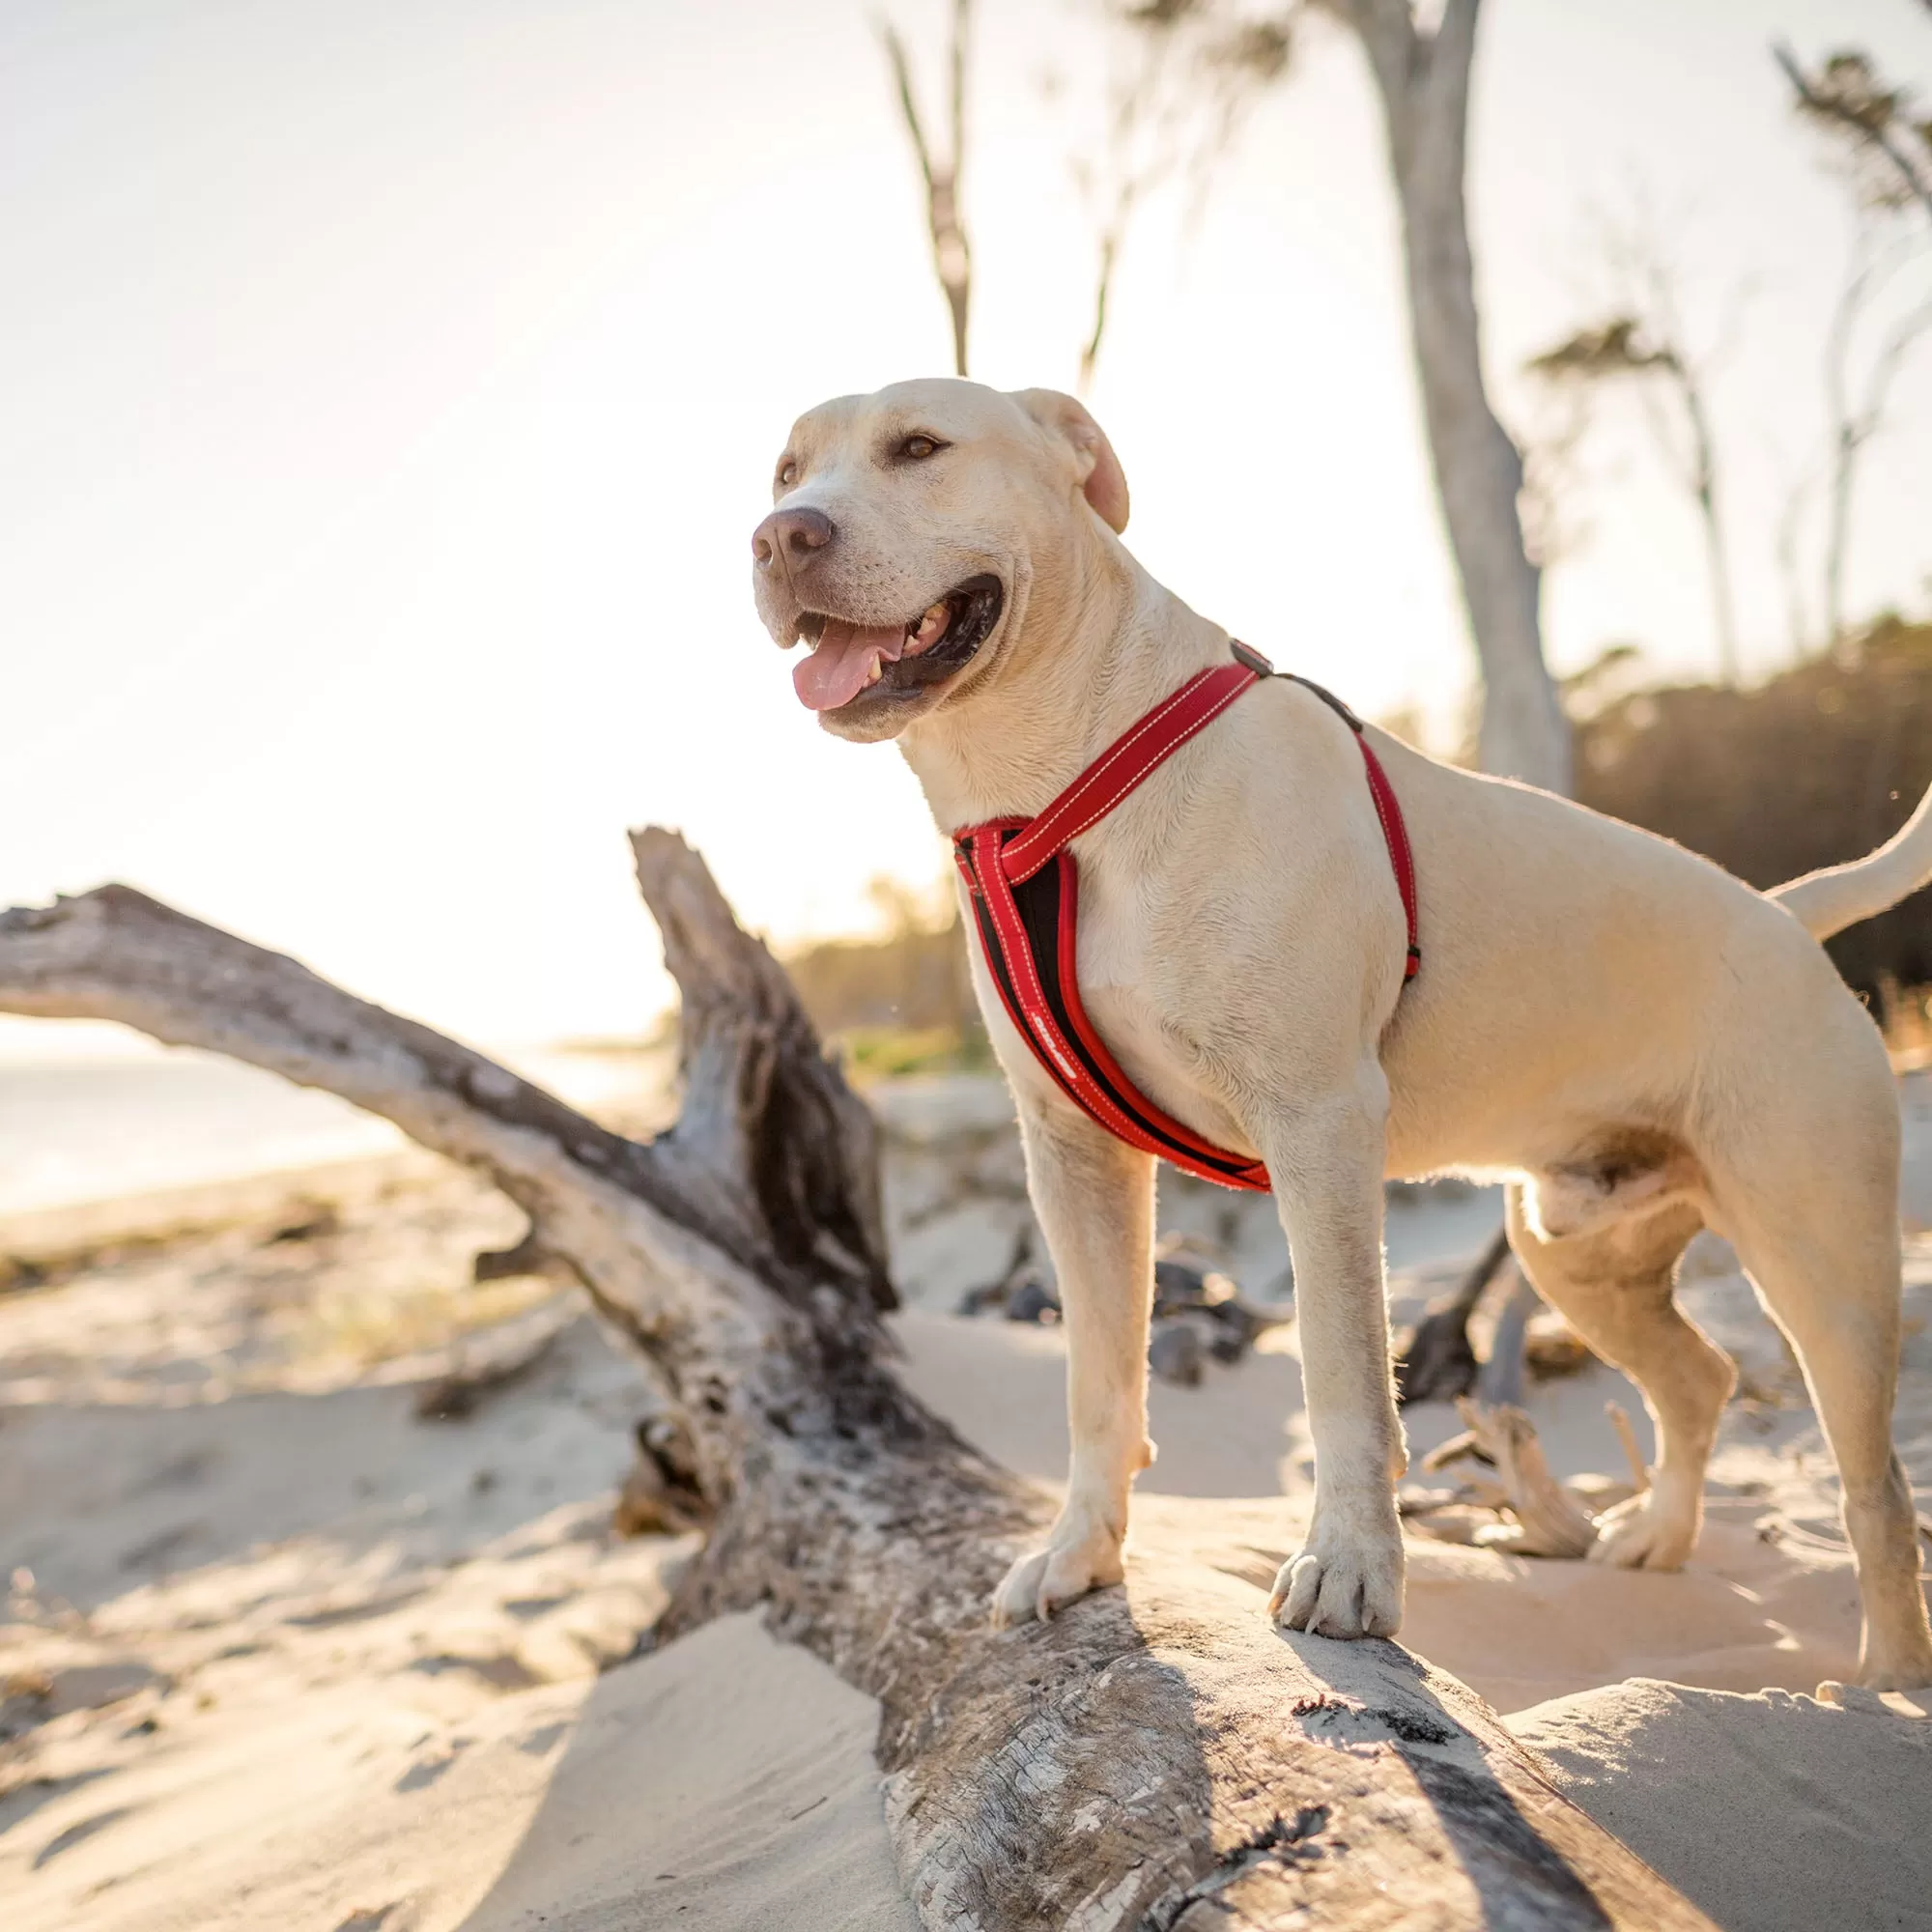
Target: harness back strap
x,y
1024,889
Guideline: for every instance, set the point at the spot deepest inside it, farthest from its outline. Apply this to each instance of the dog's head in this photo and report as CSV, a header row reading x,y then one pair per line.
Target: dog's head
x,y
912,531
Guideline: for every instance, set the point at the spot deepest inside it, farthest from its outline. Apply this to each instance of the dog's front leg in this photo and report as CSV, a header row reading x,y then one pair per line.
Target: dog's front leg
x,y
1326,1162
1094,1199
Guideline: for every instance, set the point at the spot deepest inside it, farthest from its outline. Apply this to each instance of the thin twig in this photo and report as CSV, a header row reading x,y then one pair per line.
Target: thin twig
x,y
1625,1435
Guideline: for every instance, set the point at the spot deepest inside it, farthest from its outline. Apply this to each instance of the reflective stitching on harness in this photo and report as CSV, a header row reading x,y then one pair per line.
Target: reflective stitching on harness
x,y
1037,1023
1381,813
1133,778
1018,860
1395,835
1118,749
1054,1024
1006,915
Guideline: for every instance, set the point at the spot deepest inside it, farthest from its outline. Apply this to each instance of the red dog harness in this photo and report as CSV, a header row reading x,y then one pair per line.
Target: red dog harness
x,y
1024,888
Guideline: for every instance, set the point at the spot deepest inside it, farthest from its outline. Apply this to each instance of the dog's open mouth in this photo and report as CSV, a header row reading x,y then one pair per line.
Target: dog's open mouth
x,y
850,661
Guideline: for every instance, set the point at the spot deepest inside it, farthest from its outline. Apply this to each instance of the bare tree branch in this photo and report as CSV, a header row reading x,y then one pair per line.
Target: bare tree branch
x,y
895,54
1857,410
1174,112
1788,546
1888,140
952,251
1646,343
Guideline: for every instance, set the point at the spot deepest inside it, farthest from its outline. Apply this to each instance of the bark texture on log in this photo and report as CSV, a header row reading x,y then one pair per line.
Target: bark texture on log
x,y
1155,1756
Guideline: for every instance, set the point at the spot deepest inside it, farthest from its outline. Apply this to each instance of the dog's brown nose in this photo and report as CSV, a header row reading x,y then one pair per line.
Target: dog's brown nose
x,y
792,535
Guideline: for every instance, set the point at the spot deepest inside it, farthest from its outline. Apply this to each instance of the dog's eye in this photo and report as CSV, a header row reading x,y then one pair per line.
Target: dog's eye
x,y
787,473
917,449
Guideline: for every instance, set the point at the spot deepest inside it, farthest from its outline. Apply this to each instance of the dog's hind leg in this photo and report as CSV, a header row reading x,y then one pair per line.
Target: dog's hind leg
x,y
1612,1284
1813,1209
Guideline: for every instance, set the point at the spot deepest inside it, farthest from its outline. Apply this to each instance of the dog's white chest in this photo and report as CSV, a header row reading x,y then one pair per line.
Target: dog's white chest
x,y
1127,949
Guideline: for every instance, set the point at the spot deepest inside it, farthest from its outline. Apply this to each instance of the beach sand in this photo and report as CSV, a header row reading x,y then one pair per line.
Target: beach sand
x,y
281,1654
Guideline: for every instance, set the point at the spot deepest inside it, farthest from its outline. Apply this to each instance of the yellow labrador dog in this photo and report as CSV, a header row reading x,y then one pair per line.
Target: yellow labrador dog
x,y
1636,1042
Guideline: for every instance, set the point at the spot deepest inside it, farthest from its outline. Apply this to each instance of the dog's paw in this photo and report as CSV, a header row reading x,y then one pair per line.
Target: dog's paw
x,y
1638,1535
1076,1559
1346,1581
1909,1675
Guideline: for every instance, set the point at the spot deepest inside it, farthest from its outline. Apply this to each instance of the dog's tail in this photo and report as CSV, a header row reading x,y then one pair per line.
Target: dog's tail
x,y
1841,896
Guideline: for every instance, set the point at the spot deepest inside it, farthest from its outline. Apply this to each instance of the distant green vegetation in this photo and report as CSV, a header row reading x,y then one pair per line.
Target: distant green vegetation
x,y
882,1053
901,1002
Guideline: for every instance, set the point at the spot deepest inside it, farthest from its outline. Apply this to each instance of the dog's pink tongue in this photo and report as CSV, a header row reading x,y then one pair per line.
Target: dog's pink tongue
x,y
836,670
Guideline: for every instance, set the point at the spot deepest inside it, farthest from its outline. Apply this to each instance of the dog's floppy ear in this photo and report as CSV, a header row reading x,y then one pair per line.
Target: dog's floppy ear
x,y
1103,478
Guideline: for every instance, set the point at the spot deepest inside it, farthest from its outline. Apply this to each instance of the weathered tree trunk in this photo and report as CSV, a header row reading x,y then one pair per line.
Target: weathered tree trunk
x,y
1422,79
1158,1756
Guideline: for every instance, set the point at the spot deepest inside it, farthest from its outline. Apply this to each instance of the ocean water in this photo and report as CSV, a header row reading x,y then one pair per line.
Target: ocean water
x,y
89,1130
95,1129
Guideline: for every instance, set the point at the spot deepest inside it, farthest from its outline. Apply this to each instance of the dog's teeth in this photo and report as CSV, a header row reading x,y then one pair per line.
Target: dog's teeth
x,y
877,670
930,627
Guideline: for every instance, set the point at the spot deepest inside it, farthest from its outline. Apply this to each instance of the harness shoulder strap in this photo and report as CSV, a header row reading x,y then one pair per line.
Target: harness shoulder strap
x,y
1395,832
1023,884
1123,764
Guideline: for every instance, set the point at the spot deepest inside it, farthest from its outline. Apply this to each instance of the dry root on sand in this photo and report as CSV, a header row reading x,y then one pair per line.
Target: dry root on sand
x,y
1538,1517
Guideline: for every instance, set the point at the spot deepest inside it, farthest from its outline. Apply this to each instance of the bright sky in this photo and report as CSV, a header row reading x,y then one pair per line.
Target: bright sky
x,y
392,385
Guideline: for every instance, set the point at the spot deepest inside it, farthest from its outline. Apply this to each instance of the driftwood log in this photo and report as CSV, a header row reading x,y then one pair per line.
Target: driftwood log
x,y
1437,1361
1548,1520
1157,1756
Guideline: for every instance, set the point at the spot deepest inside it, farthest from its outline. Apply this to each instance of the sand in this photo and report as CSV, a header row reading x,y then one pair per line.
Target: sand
x,y
1773,1812
728,1781
291,1657
378,1672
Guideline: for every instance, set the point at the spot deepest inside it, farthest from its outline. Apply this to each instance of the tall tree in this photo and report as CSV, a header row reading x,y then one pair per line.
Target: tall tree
x,y
1422,75
942,173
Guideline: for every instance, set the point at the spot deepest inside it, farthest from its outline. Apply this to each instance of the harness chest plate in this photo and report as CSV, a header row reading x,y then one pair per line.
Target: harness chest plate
x,y
1024,888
